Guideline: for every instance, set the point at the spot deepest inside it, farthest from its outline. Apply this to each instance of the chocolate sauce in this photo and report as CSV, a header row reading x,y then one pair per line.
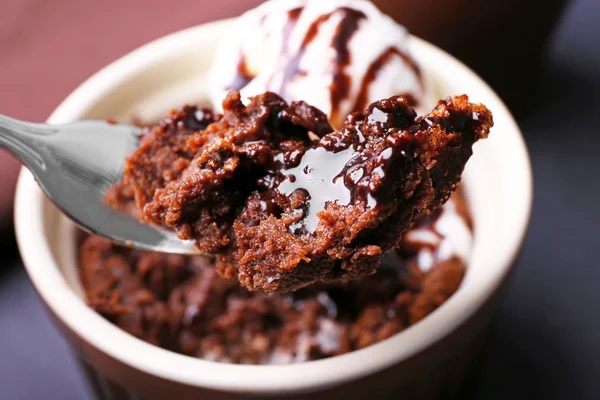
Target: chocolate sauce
x,y
293,16
318,174
341,80
362,100
292,68
413,65
377,116
288,28
348,168
242,77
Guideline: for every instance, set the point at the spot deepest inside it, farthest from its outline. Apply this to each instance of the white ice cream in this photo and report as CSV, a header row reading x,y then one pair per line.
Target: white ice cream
x,y
337,55
449,235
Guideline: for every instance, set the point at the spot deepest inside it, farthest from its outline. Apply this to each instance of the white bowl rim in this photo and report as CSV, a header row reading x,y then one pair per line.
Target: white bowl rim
x,y
64,302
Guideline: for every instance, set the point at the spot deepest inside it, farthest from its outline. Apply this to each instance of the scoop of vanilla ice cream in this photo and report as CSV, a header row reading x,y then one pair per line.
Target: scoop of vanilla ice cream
x,y
337,55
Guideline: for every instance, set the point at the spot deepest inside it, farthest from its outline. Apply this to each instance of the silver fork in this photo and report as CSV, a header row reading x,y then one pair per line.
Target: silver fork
x,y
75,164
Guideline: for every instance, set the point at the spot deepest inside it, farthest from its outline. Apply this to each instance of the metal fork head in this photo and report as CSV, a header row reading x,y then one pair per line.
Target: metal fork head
x,y
75,164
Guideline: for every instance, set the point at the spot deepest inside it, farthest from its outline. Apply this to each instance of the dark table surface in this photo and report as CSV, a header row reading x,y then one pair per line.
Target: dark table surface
x,y
545,340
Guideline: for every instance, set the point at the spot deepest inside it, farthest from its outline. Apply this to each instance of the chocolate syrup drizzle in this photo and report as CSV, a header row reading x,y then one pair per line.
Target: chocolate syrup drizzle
x,y
344,167
362,100
292,68
341,81
347,27
242,77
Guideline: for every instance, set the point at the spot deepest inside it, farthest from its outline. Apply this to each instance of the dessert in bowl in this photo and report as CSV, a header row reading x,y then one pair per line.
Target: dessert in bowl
x,y
171,72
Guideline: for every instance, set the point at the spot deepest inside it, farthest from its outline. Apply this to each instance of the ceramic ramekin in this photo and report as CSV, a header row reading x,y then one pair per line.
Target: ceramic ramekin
x,y
425,361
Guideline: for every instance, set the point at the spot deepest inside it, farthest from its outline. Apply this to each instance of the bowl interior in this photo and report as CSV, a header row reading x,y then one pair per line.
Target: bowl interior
x,y
171,72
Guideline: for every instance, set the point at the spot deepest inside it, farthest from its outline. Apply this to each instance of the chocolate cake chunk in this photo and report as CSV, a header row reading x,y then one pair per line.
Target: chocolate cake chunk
x,y
281,211
115,291
230,156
